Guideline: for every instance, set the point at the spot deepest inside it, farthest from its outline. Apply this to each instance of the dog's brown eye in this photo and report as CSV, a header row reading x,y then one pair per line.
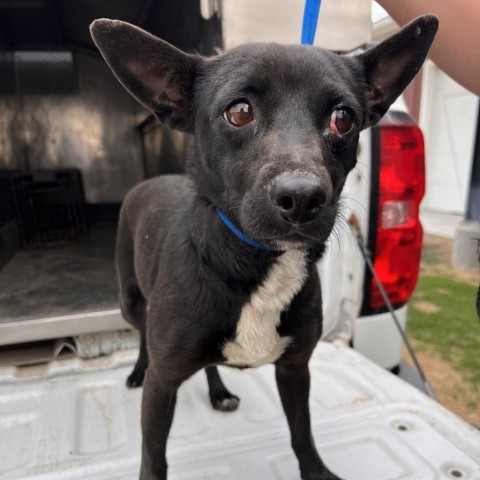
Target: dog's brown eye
x,y
341,121
239,114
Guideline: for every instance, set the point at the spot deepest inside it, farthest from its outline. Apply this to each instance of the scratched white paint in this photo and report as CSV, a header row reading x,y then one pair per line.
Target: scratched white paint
x,y
358,414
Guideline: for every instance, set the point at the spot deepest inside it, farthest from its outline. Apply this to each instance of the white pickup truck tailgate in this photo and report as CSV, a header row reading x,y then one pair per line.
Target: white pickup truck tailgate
x,y
73,419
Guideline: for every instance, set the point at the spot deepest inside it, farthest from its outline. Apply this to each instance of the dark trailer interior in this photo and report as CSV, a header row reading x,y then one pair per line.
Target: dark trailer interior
x,y
72,143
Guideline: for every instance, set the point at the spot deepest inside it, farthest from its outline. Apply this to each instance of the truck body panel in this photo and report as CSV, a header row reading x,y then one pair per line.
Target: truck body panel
x,y
73,419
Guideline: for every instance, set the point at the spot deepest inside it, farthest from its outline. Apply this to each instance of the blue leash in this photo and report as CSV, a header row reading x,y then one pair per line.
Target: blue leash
x,y
310,19
309,27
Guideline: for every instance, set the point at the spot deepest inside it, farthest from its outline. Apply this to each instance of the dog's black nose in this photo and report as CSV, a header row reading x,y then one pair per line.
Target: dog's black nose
x,y
298,197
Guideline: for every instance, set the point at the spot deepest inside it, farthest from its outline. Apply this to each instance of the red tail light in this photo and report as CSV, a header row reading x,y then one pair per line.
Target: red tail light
x,y
401,184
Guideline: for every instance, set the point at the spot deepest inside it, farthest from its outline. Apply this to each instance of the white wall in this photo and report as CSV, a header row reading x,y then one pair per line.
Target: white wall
x,y
448,117
342,24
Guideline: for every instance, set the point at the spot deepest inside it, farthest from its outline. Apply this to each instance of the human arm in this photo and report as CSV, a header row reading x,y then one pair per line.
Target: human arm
x,y
455,49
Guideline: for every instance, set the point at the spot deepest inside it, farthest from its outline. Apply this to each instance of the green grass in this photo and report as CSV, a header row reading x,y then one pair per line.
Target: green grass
x,y
453,329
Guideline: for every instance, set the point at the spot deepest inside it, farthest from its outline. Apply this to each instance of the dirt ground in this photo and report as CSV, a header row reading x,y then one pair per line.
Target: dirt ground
x,y
452,390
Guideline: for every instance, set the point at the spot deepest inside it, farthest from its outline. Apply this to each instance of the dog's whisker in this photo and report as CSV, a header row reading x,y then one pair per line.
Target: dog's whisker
x,y
361,173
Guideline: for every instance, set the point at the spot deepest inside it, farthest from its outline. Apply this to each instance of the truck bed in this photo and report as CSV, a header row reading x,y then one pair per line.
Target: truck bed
x,y
59,281
74,419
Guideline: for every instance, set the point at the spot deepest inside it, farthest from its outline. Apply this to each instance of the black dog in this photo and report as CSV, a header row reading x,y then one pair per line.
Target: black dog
x,y
218,267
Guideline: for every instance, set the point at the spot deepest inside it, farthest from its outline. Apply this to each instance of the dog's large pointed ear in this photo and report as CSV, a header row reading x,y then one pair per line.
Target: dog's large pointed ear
x,y
391,65
156,73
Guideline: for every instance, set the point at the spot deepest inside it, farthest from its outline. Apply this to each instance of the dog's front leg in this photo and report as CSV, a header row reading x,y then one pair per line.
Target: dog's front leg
x,y
158,406
293,383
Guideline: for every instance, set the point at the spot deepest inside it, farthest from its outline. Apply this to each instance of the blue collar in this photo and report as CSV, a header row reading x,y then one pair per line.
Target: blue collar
x,y
238,233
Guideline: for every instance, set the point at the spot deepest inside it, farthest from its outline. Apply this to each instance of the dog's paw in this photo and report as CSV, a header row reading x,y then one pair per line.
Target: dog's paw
x,y
135,379
225,402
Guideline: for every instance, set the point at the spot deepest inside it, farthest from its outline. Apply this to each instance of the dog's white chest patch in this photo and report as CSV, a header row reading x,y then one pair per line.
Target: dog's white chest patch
x,y
257,341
